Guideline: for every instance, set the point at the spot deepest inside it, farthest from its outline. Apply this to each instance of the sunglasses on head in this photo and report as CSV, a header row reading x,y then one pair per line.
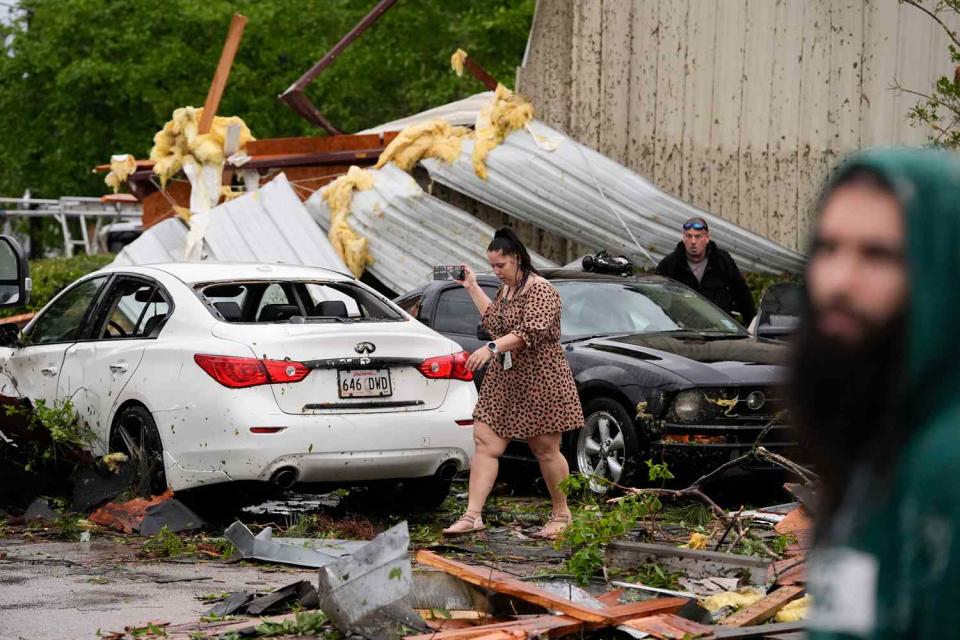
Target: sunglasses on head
x,y
698,226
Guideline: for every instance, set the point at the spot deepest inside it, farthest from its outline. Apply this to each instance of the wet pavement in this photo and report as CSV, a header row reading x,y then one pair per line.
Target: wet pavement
x,y
48,586
53,588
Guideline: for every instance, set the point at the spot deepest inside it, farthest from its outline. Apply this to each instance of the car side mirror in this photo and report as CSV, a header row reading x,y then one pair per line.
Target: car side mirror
x,y
9,334
482,334
15,283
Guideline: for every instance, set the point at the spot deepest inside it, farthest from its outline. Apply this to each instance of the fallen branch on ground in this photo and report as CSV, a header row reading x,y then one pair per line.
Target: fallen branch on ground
x,y
695,490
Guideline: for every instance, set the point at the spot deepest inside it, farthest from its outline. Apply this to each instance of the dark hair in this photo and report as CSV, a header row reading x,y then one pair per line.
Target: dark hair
x,y
505,241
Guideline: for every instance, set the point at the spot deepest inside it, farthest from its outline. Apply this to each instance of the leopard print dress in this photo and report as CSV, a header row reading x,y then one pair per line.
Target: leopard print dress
x,y
537,395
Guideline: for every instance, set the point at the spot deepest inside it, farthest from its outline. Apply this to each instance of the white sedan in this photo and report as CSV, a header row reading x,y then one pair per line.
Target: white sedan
x,y
217,372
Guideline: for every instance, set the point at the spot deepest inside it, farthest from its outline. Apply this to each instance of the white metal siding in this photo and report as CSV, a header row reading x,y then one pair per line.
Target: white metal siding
x,y
740,107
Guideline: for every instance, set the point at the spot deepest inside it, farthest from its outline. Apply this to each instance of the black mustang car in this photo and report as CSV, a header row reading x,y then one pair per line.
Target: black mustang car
x,y
662,373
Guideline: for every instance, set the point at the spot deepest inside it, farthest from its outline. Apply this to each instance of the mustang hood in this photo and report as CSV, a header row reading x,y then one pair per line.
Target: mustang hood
x,y
705,360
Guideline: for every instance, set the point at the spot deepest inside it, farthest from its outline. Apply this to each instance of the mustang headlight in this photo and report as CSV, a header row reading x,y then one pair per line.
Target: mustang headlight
x,y
689,405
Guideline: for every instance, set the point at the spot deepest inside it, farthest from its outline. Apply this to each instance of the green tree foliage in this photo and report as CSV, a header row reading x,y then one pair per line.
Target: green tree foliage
x,y
51,275
84,79
939,110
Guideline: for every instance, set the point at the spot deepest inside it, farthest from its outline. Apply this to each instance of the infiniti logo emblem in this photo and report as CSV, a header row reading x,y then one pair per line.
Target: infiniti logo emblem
x,y
365,347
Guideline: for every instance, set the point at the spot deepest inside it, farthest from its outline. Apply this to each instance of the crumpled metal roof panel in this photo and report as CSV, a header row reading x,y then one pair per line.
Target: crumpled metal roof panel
x,y
409,231
582,195
461,112
163,242
270,225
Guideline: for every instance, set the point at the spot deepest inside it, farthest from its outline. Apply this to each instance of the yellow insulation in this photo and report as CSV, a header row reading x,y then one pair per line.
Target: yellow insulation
x,y
507,113
112,461
697,541
457,60
180,142
795,611
735,599
433,139
351,246
121,166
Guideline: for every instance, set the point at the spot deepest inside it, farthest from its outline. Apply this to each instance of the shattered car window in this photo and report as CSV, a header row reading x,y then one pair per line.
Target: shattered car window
x,y
297,301
591,308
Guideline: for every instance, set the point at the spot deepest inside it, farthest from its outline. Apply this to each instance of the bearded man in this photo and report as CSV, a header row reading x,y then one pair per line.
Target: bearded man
x,y
876,390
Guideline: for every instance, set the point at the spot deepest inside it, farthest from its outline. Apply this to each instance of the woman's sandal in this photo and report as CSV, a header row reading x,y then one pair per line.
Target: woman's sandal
x,y
556,525
468,523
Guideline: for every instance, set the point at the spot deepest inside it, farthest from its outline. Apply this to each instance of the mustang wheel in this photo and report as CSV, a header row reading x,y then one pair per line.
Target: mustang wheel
x,y
135,434
606,446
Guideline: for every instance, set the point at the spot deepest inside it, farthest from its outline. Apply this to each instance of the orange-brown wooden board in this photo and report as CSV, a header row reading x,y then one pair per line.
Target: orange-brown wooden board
x,y
508,585
313,144
669,626
158,206
764,609
551,626
796,521
794,575
610,598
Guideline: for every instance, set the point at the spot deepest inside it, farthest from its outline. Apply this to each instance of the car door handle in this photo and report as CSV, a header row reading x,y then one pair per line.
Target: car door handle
x,y
49,371
118,367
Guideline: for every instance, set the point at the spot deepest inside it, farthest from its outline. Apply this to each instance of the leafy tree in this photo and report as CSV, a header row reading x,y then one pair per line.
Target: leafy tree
x,y
939,110
83,79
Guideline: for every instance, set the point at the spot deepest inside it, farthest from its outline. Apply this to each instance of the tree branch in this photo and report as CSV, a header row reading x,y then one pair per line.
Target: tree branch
x,y
932,14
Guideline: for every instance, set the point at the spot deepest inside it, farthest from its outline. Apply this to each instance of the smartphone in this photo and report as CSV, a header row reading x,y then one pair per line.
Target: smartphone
x,y
448,272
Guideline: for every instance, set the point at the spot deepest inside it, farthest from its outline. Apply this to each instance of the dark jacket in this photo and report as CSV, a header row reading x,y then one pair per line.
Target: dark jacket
x,y
722,282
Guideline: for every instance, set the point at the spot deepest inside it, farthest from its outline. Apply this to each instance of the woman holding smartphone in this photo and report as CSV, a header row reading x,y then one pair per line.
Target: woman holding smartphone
x,y
528,392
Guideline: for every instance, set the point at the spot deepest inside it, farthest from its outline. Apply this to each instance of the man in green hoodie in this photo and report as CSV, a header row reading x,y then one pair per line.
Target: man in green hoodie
x,y
876,388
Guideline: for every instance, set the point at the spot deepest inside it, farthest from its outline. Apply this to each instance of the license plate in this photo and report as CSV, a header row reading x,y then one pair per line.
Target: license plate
x,y
364,383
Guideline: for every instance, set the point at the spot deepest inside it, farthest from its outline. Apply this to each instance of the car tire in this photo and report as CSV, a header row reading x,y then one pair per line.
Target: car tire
x,y
606,446
135,434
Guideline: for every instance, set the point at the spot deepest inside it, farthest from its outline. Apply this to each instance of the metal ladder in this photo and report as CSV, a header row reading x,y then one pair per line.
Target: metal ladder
x,y
70,212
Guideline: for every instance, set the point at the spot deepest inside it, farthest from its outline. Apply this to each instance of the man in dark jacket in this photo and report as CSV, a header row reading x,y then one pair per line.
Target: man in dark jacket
x,y
704,267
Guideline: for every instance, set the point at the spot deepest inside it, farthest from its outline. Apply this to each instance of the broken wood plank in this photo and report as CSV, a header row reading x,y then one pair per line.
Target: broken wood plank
x,y
550,626
797,520
616,615
610,598
220,76
764,609
511,586
792,569
758,631
629,555
669,626
507,584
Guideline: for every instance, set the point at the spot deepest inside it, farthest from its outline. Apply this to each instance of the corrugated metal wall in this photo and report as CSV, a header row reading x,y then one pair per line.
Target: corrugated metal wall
x,y
737,106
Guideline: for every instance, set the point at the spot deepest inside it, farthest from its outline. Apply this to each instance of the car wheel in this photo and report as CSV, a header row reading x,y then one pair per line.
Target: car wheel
x,y
135,434
606,446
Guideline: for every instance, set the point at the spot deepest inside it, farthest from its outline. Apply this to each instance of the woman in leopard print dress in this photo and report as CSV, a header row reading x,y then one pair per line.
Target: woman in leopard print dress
x,y
528,391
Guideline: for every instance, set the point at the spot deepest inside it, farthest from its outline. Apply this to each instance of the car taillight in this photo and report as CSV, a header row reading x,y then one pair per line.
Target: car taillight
x,y
237,373
285,370
452,367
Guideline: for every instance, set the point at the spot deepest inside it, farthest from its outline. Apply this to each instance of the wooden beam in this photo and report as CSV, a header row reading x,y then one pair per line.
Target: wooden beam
x,y
669,626
550,626
764,609
230,46
506,584
511,586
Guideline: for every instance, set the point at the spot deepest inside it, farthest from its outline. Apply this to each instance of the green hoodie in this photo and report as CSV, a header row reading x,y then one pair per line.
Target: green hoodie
x,y
892,569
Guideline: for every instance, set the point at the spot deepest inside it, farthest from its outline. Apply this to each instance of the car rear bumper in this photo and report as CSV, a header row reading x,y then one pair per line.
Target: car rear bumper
x,y
330,449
